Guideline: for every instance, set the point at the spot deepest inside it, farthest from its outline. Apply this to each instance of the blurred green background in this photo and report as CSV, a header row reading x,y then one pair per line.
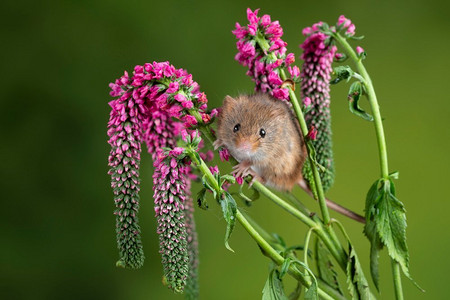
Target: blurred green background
x,y
57,57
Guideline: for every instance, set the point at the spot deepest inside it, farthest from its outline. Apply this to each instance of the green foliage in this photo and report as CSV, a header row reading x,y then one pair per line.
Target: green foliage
x,y
325,266
273,289
229,209
357,282
386,225
354,94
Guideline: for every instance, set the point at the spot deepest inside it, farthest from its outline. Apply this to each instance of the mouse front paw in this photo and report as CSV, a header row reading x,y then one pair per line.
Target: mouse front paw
x,y
244,169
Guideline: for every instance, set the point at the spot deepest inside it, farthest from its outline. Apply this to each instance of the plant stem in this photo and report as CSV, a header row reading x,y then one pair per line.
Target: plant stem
x,y
382,150
273,254
372,97
397,280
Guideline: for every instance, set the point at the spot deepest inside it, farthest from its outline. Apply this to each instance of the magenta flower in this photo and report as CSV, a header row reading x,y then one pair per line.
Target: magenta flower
x,y
346,24
154,105
312,133
170,188
224,154
125,132
262,50
214,170
318,56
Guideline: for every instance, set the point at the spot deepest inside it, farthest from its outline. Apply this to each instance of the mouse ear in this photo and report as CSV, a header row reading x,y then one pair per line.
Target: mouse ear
x,y
229,101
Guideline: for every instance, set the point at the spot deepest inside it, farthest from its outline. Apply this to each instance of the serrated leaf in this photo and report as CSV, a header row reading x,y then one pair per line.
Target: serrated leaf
x,y
325,266
390,222
201,199
357,283
273,289
229,209
354,94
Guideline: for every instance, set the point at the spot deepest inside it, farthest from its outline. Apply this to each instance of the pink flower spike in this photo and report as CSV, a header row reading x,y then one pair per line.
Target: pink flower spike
x,y
274,79
265,20
312,134
184,134
180,98
188,104
290,58
294,71
177,151
214,170
306,102
173,87
359,50
351,29
252,16
224,154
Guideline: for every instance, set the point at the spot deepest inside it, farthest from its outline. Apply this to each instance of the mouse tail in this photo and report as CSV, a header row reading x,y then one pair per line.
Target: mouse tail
x,y
333,205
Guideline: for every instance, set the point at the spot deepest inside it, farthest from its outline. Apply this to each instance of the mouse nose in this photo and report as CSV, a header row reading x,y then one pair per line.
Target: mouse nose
x,y
245,146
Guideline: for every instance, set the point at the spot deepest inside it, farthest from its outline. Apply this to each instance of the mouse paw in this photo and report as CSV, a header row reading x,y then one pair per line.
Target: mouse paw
x,y
244,169
217,143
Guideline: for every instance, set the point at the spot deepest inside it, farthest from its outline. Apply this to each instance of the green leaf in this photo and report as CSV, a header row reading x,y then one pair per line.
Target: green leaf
x,y
342,73
312,292
391,225
354,94
325,266
273,289
285,267
357,37
228,178
357,283
201,199
207,186
229,209
373,196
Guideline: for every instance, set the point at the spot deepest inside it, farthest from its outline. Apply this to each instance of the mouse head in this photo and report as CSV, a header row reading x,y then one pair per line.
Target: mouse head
x,y
250,125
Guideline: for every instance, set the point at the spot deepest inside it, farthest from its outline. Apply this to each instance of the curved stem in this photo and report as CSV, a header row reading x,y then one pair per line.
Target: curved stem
x,y
273,254
382,150
372,97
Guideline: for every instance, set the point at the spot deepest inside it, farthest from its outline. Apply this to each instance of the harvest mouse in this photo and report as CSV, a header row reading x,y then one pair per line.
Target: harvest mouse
x,y
263,135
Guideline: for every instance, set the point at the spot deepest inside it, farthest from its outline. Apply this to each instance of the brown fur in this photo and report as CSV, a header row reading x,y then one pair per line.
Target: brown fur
x,y
278,157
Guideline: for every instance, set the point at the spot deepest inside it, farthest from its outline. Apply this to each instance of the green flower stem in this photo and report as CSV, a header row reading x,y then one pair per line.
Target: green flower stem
x,y
334,247
273,254
279,248
329,238
397,280
265,246
372,97
304,128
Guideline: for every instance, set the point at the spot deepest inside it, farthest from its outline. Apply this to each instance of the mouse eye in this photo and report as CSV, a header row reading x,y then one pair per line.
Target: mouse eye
x,y
236,127
262,132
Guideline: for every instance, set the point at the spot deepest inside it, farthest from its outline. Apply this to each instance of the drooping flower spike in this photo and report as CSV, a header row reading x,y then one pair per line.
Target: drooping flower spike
x,y
318,56
262,50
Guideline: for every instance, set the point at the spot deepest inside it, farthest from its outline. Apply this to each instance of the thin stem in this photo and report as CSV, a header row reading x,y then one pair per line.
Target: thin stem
x,y
382,150
397,280
273,254
372,97
332,243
